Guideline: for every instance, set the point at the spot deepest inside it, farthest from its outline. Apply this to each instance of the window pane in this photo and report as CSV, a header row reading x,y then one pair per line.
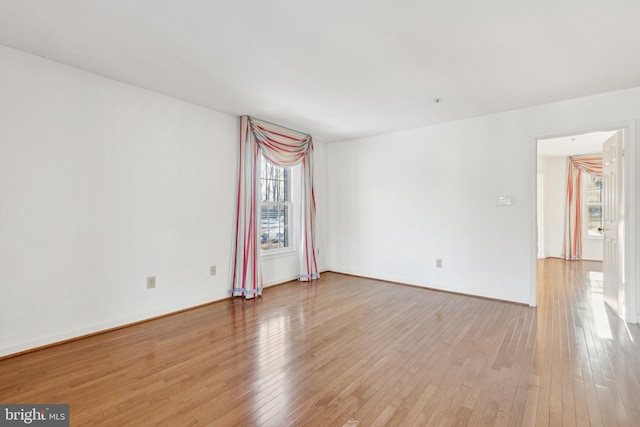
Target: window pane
x,y
274,216
594,182
274,183
278,185
594,196
594,212
271,224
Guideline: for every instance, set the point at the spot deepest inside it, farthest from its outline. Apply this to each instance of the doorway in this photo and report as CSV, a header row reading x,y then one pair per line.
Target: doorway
x,y
586,222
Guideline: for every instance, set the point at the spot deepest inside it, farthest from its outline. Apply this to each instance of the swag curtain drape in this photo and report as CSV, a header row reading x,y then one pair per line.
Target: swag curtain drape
x,y
282,147
577,165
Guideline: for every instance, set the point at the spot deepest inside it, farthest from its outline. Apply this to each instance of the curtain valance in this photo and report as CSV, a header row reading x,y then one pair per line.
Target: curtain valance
x,y
281,146
591,164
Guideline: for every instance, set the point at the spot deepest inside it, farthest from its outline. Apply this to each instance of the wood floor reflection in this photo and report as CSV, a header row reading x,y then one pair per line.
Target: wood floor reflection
x,y
353,351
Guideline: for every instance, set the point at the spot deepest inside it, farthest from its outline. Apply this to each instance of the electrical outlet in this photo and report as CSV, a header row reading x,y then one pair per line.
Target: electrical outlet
x,y
212,270
151,282
439,263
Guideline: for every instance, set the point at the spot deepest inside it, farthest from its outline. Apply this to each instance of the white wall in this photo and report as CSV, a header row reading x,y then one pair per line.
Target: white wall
x,y
401,200
101,185
322,203
555,177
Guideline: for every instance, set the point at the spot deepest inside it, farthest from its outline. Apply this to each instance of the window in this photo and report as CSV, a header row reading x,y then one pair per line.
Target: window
x,y
275,212
593,202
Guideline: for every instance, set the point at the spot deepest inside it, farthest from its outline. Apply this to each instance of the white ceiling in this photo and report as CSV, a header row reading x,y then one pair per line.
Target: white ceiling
x,y
341,69
588,143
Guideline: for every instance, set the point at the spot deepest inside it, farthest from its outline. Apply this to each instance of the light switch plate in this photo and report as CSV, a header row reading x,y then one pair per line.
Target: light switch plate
x,y
505,201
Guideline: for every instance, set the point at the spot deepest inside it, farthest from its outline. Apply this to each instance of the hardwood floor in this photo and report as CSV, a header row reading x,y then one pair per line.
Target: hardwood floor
x,y
348,351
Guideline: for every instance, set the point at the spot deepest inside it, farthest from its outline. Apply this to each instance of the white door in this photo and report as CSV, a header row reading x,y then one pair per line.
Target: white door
x,y
613,223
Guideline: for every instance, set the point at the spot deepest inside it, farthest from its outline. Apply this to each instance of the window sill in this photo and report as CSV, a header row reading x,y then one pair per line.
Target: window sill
x,y
592,237
282,253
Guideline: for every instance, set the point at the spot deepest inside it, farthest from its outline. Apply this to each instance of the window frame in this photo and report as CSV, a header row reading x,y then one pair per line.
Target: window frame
x,y
586,204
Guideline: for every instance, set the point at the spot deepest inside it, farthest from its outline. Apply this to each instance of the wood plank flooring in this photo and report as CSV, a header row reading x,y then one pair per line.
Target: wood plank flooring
x,y
349,351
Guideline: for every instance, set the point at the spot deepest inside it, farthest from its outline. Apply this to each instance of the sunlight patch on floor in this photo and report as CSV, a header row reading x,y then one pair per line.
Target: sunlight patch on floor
x,y
594,280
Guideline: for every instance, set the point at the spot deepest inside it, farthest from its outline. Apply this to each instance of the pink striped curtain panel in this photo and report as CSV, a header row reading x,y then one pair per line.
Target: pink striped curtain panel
x,y
577,165
283,147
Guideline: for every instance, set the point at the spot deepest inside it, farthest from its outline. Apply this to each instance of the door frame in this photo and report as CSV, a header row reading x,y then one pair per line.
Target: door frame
x,y
629,131
540,221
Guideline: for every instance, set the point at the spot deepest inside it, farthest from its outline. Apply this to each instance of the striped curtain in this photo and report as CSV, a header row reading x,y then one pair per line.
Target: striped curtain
x,y
577,165
283,147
